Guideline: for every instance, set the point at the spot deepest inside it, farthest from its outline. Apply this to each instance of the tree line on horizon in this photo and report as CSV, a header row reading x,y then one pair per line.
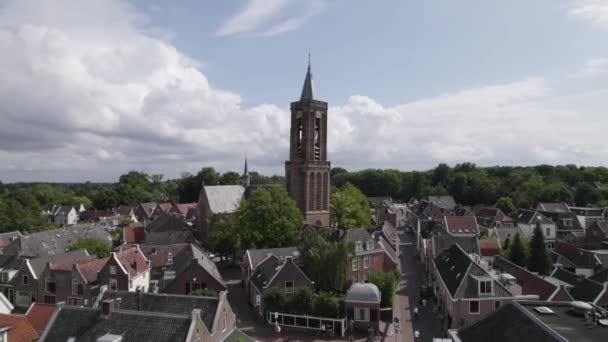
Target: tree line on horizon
x,y
21,204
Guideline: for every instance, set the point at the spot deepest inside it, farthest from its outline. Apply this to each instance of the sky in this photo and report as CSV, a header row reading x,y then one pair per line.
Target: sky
x,y
93,89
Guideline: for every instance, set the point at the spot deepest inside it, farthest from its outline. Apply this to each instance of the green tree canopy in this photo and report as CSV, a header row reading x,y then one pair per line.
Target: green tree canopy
x,y
387,284
224,235
93,246
206,292
538,261
268,219
349,208
275,300
230,178
517,251
505,204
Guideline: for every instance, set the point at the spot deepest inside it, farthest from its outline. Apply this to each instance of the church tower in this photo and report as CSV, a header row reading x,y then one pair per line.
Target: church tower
x,y
307,170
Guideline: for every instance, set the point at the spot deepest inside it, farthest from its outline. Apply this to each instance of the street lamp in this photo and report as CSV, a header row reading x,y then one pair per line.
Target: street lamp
x,y
277,327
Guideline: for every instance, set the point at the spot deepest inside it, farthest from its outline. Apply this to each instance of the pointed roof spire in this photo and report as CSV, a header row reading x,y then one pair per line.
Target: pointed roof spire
x,y
308,88
246,174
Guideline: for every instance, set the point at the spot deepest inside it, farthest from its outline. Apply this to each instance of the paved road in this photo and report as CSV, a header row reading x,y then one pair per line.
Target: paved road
x,y
412,276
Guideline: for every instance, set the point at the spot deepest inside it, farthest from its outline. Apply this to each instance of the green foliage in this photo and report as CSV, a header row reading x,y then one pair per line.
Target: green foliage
x,y
275,300
387,284
116,234
268,219
126,221
586,194
518,253
505,204
316,252
349,208
230,178
538,261
301,302
206,292
224,235
93,246
326,305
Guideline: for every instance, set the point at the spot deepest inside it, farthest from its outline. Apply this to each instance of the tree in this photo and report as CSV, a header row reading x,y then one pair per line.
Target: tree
x,y
326,305
93,246
230,178
275,300
268,219
387,284
586,194
440,174
349,208
301,301
206,292
517,251
505,204
539,259
223,235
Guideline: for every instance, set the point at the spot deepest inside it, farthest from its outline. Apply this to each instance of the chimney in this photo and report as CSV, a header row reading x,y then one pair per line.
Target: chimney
x,y
107,306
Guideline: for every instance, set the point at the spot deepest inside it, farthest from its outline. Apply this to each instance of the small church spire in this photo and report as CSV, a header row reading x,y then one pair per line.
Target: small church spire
x,y
308,88
246,174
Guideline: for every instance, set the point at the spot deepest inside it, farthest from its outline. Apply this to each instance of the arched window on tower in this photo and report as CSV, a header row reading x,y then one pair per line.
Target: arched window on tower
x,y
317,141
311,192
299,135
318,190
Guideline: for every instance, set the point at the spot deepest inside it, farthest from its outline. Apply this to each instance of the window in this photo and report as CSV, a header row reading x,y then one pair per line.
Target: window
x,y
113,284
547,232
567,222
224,323
474,307
366,261
49,299
485,287
362,314
496,304
369,245
358,246
23,298
49,285
11,295
550,245
4,277
25,280
77,288
355,264
75,301
112,269
289,287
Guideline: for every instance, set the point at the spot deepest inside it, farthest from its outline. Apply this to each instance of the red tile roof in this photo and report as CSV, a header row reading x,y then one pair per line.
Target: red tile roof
x,y
461,224
133,233
489,247
182,208
89,270
133,261
21,329
165,207
39,315
68,265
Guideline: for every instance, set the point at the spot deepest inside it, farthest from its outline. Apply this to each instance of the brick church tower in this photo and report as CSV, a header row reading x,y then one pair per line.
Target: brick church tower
x,y
307,170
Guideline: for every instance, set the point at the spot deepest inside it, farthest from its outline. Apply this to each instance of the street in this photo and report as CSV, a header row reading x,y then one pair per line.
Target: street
x,y
407,295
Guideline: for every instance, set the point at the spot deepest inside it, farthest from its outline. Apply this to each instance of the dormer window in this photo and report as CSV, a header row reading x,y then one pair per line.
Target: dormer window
x,y
358,246
485,287
112,269
369,245
567,222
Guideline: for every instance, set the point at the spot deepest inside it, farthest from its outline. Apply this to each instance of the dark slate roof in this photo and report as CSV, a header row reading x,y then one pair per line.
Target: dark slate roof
x,y
429,228
586,290
238,335
504,233
38,264
452,266
557,258
56,241
600,277
445,202
256,256
10,261
442,242
167,223
558,218
563,275
530,216
470,286
184,259
265,271
308,92
166,303
361,234
169,238
531,284
510,323
88,324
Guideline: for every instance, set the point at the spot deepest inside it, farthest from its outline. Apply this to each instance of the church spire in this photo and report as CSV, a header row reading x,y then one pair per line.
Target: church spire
x,y
308,88
246,174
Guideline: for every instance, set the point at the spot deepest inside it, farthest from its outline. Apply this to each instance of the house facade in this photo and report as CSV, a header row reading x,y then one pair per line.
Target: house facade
x,y
369,254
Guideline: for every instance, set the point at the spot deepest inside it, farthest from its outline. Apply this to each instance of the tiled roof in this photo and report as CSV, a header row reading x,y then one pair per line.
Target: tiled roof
x,y
224,198
132,260
123,210
489,247
586,290
461,224
166,303
168,223
445,202
530,283
600,277
56,241
442,242
182,208
559,217
67,266
165,207
38,264
452,266
20,328
39,315
265,271
169,238
95,215
470,286
362,235
89,270
134,233
148,207
255,256
564,276
553,207
159,254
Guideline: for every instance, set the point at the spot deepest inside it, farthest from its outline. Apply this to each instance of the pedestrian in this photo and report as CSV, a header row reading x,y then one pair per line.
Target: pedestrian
x,y
415,313
416,335
424,302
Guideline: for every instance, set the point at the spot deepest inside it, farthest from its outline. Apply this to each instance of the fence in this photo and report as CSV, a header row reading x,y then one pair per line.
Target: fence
x,y
337,325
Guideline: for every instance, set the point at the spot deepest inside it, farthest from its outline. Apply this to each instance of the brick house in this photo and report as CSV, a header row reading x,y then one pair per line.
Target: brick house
x,y
276,272
253,257
181,268
362,304
369,254
465,291
493,217
461,225
144,212
127,269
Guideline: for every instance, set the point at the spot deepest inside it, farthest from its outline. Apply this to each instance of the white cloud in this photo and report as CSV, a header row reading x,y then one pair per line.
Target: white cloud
x,y
592,68
271,17
595,11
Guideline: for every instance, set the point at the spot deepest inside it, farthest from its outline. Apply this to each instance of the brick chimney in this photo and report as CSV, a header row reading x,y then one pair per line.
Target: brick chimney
x,y
107,306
